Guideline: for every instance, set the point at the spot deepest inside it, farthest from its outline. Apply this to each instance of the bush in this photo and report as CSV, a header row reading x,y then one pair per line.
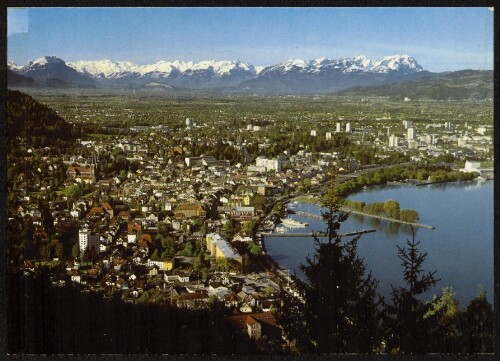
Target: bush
x,y
408,215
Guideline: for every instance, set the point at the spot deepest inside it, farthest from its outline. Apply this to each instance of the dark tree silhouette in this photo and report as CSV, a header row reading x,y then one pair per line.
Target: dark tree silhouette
x,y
409,329
337,310
478,325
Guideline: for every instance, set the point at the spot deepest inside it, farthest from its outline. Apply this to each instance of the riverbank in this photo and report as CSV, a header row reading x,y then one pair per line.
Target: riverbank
x,y
424,175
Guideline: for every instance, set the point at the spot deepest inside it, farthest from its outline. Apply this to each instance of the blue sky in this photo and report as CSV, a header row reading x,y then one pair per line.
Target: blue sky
x,y
438,38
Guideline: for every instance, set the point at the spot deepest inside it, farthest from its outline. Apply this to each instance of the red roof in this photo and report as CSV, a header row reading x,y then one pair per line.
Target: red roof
x,y
145,237
95,210
133,226
250,320
241,321
107,206
192,296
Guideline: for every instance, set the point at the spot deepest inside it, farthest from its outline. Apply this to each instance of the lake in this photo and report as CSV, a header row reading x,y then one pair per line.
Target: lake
x,y
460,248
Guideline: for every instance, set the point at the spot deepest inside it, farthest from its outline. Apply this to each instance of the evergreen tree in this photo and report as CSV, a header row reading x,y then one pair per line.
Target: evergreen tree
x,y
75,250
409,327
478,325
337,310
59,250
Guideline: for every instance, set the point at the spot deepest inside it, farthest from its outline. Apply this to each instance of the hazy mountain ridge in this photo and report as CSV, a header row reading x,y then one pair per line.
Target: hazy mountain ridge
x,y
458,85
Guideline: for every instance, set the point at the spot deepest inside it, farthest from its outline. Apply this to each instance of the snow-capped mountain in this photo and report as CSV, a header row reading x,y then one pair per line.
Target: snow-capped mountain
x,y
105,68
162,69
396,63
51,68
203,74
400,63
13,66
294,75
328,75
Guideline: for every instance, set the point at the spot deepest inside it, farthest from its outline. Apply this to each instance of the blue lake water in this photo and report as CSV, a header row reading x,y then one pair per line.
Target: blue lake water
x,y
460,248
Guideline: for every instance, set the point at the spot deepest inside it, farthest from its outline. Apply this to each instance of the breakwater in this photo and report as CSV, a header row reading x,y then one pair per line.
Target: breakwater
x,y
348,210
317,234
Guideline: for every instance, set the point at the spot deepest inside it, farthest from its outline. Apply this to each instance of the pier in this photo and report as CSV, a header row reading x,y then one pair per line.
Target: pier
x,y
317,234
308,215
347,210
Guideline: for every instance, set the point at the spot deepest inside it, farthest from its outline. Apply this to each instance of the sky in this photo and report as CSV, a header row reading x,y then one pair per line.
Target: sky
x,y
440,39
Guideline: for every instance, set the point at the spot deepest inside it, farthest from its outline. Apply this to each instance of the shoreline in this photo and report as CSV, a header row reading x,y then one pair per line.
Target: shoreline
x,y
309,198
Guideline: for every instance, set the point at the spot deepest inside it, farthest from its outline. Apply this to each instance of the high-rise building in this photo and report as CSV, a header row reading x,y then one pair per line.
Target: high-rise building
x,y
273,164
412,134
87,240
430,139
348,127
328,135
189,122
393,141
407,124
339,128
447,125
313,133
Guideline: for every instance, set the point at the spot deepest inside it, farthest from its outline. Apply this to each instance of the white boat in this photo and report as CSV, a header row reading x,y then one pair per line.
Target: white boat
x,y
281,229
292,223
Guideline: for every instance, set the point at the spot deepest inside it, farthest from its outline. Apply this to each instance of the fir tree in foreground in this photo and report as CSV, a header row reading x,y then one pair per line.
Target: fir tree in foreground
x,y
337,309
408,325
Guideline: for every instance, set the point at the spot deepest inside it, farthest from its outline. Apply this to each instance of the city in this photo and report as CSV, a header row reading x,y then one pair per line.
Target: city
x,y
148,207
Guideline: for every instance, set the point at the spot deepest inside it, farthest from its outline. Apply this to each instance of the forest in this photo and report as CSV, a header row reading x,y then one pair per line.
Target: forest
x,y
36,124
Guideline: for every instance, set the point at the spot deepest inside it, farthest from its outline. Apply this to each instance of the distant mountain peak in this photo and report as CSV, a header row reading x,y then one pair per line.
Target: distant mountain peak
x,y
401,62
46,60
13,66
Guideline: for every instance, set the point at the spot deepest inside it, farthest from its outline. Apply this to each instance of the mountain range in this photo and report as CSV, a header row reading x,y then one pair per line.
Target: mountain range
x,y
457,85
294,76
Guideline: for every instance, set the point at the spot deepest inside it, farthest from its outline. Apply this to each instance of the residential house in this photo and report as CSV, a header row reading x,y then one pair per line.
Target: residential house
x,y
256,325
193,300
189,210
163,265
81,174
108,209
177,277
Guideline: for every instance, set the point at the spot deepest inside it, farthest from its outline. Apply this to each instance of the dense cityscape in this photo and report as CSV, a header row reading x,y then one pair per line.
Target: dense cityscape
x,y
219,207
